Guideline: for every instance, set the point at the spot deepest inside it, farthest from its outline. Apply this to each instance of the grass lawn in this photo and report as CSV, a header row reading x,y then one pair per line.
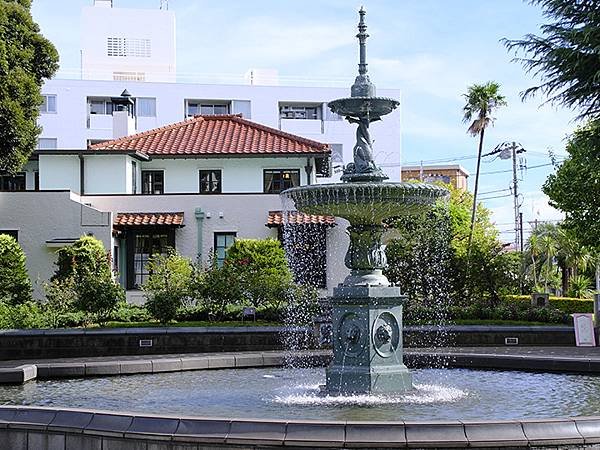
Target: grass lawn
x,y
247,323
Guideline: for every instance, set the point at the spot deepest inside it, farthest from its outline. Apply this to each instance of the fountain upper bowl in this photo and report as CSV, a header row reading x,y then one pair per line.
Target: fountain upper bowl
x,y
357,106
366,203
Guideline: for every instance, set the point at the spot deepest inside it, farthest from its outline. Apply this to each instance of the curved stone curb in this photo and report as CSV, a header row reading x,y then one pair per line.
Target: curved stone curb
x,y
131,366
77,428
125,366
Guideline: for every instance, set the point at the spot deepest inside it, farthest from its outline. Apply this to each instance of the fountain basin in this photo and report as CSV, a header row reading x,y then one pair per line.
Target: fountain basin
x,y
366,203
375,107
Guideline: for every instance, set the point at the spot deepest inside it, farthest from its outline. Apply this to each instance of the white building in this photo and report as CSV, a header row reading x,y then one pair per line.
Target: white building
x,y
195,185
134,50
127,44
200,194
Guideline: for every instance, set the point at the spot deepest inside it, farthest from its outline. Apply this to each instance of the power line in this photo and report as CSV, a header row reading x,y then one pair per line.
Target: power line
x,y
497,196
510,170
493,192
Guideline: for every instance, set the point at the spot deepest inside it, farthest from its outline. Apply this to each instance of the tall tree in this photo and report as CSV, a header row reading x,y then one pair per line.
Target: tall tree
x,y
575,187
566,56
26,59
482,100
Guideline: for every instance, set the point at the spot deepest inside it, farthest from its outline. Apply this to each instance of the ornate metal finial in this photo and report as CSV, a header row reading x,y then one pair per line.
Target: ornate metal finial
x,y
362,87
362,38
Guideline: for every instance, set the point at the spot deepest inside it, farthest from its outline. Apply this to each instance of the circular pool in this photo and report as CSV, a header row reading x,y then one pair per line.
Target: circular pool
x,y
276,393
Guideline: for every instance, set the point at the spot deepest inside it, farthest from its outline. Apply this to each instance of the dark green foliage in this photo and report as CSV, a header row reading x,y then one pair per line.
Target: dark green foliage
x,y
15,286
218,287
168,286
566,56
429,258
87,264
420,259
261,269
99,297
86,256
60,296
26,59
575,187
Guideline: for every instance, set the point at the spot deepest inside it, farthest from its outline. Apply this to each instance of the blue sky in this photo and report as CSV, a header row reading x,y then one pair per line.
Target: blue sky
x,y
430,49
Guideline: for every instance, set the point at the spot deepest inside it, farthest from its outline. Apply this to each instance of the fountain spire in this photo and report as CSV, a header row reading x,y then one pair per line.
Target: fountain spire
x,y
362,86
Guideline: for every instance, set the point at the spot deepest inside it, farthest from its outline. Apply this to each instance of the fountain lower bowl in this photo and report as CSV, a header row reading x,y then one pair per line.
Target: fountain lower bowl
x,y
364,202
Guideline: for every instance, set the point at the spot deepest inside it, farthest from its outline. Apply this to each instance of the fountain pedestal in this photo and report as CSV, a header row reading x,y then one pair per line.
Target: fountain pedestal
x,y
367,343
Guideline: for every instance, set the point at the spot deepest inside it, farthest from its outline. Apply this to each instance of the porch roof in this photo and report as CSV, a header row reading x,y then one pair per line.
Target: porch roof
x,y
135,219
277,219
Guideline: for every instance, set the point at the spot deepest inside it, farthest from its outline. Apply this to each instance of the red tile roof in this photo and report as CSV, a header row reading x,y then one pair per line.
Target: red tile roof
x,y
276,219
138,219
214,135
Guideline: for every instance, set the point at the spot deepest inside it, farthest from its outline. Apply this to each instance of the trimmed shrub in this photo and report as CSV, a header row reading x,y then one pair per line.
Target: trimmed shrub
x,y
568,305
61,296
15,286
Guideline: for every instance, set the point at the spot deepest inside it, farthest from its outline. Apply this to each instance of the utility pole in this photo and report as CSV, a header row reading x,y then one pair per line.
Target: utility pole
x,y
511,150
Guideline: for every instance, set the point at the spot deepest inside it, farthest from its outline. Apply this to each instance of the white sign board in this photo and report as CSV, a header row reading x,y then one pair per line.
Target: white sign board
x,y
584,330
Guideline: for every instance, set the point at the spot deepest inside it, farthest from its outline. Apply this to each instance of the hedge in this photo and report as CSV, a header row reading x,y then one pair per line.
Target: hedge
x,y
567,305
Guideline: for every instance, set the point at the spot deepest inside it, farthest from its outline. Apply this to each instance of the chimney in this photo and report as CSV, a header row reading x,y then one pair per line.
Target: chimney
x,y
123,118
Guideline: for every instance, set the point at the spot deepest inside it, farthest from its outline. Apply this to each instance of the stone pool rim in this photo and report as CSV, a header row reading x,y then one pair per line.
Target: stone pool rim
x,y
91,427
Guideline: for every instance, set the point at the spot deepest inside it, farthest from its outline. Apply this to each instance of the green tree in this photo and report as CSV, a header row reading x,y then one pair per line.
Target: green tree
x,y
26,59
262,271
482,100
575,187
168,285
566,56
87,264
15,287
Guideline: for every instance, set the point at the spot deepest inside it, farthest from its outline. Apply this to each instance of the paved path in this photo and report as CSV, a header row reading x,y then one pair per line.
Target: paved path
x,y
584,353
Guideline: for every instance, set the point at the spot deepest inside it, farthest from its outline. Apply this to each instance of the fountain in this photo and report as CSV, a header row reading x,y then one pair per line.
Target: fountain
x,y
367,310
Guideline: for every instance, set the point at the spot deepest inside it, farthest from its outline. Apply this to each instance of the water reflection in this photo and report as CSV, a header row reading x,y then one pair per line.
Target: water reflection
x,y
278,393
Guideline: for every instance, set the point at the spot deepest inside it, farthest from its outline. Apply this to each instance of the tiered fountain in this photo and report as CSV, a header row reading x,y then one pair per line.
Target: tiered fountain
x,y
367,311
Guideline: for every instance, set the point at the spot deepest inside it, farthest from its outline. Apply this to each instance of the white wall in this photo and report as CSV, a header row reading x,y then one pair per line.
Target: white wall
x,y
246,215
157,26
239,174
106,174
41,216
69,124
59,172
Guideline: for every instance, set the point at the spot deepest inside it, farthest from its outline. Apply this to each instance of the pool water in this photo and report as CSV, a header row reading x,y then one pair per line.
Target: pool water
x,y
278,393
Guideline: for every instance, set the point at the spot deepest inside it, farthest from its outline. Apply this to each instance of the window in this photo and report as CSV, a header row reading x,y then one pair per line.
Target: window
x,y
242,107
47,143
207,108
222,242
146,246
12,233
49,103
121,46
278,180
153,182
145,107
12,183
100,106
210,181
306,251
300,111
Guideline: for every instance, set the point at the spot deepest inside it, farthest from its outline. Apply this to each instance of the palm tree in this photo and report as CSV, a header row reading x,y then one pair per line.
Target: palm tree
x,y
482,100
